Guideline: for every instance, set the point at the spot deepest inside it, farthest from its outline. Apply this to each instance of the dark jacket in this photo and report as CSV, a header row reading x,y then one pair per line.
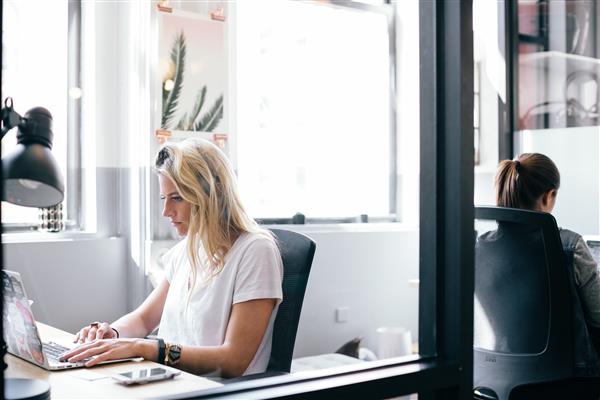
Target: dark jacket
x,y
586,338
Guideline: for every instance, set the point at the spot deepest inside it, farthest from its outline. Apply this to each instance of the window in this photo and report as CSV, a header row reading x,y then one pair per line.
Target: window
x,y
36,71
489,94
315,131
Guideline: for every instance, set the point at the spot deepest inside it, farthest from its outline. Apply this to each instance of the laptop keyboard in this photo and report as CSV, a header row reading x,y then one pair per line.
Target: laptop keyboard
x,y
54,350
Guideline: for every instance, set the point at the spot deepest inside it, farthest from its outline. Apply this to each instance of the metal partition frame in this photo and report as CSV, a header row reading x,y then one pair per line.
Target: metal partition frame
x,y
2,344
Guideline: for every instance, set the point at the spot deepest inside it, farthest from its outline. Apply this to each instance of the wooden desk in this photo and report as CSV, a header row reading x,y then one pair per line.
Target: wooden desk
x,y
95,382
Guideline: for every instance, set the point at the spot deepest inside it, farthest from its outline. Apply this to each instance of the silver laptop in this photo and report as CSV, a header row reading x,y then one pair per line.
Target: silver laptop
x,y
20,331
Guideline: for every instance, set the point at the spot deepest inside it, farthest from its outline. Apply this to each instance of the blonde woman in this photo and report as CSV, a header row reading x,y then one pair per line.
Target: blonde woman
x,y
216,307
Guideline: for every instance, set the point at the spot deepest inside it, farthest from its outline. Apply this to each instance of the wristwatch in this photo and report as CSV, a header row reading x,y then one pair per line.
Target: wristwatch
x,y
173,354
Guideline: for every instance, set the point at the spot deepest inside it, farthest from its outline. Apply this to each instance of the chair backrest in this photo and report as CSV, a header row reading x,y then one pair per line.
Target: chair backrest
x,y
297,252
523,305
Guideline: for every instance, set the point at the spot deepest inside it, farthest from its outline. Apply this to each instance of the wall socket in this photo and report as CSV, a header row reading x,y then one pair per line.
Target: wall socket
x,y
341,314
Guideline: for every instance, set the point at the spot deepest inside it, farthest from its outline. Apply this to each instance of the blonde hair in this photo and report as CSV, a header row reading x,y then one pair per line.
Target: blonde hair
x,y
204,178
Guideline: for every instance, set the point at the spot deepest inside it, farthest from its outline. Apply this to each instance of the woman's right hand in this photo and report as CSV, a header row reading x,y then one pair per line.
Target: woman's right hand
x,y
93,331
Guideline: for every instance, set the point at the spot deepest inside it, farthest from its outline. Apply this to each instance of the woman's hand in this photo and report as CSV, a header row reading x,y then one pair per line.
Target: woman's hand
x,y
112,349
95,330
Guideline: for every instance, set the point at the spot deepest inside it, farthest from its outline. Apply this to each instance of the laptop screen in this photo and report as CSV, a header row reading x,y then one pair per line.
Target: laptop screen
x,y
20,332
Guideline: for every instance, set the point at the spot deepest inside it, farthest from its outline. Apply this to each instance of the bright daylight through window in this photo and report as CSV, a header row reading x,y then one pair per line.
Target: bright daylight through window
x,y
35,78
313,108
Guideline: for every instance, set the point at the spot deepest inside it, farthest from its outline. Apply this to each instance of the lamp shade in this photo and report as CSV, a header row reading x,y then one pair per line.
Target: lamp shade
x,y
30,173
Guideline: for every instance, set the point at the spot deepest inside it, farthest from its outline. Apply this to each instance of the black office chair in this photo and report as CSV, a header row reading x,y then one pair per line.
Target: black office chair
x,y
528,322
297,252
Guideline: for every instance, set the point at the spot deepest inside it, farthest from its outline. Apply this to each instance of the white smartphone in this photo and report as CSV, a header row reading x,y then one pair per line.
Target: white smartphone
x,y
145,375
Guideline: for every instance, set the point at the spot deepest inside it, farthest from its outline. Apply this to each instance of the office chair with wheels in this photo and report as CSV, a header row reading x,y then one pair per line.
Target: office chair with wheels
x,y
297,252
529,329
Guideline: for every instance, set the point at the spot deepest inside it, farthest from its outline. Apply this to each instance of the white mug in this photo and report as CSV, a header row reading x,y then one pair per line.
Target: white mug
x,y
393,341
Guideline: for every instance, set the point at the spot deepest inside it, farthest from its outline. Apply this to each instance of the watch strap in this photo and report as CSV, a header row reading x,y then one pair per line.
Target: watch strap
x,y
161,350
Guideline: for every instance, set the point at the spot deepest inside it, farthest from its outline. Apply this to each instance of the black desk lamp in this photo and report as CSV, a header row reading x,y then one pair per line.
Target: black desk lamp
x,y
30,173
31,178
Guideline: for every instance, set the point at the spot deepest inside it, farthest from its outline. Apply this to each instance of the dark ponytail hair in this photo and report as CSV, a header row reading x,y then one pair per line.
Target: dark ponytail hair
x,y
522,182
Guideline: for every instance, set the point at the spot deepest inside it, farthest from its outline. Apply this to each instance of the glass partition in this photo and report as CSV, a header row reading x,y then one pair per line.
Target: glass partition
x,y
327,100
556,105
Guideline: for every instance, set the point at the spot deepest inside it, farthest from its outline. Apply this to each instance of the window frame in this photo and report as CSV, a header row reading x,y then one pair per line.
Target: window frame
x,y
2,344
444,369
509,32
74,122
73,175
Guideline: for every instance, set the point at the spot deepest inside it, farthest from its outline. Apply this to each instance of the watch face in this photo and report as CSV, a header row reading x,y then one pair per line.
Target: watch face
x,y
174,354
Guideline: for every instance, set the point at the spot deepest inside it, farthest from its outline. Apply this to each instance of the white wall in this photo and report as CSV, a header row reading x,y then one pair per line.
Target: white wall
x,y
576,154
72,282
364,267
367,270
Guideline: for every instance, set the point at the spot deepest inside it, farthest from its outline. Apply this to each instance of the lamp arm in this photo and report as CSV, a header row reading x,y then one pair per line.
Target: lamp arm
x,y
10,118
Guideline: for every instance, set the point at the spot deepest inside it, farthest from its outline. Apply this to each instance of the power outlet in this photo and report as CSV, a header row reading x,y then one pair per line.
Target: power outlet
x,y
341,314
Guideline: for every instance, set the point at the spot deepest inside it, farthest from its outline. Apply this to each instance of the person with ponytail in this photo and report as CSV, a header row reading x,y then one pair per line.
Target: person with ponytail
x,y
531,182
216,307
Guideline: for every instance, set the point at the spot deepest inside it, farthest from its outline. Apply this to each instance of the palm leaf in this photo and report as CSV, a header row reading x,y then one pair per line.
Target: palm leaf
x,y
165,95
187,123
178,58
198,106
184,123
211,119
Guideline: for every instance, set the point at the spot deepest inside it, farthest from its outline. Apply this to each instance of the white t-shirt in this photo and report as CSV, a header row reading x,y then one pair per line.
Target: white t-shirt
x,y
253,270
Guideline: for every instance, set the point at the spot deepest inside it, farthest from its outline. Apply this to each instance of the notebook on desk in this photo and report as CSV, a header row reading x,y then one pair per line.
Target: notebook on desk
x,y
20,331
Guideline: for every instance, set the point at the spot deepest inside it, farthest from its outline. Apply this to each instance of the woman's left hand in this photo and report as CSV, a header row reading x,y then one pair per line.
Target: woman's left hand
x,y
109,349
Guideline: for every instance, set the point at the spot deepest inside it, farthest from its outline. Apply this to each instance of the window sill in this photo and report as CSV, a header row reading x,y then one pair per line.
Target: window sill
x,y
351,227
46,237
